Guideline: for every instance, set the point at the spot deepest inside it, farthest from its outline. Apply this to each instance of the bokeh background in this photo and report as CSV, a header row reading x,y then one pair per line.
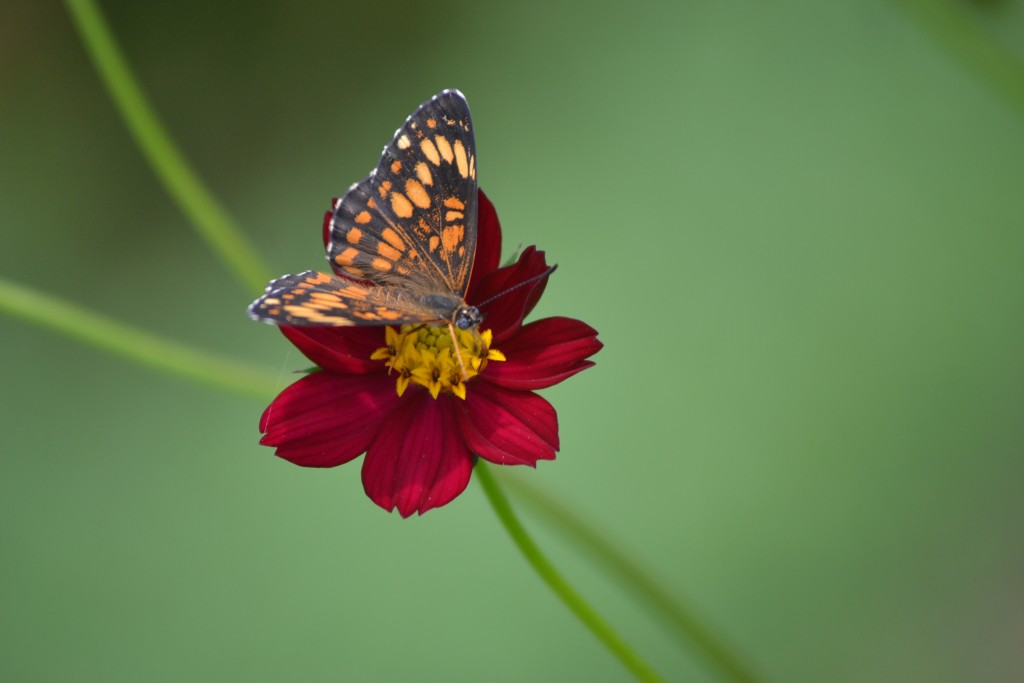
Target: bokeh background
x,y
797,226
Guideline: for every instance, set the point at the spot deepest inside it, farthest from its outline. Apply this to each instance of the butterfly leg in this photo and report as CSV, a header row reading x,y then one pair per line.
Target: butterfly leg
x,y
458,352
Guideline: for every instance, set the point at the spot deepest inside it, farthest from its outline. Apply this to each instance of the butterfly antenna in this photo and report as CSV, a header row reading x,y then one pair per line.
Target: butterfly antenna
x,y
513,288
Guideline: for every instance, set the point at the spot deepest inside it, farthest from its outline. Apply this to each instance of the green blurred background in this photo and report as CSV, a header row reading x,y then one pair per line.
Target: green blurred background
x,y
797,226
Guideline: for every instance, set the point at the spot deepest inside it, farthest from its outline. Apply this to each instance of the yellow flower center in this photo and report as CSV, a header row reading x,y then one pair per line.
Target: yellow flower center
x,y
426,355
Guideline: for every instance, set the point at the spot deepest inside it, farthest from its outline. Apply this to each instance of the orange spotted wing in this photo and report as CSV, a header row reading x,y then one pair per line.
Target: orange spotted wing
x,y
402,240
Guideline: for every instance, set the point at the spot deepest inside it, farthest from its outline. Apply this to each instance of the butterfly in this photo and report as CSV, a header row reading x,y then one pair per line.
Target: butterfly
x,y
402,240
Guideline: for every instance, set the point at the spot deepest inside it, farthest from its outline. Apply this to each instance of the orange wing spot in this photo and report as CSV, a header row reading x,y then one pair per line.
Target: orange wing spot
x,y
462,252
384,188
402,270
460,159
454,203
381,264
310,306
435,242
401,205
403,142
417,194
353,271
388,251
452,236
271,301
430,151
472,166
445,147
288,297
396,166
450,216
388,313
317,279
371,203
392,238
363,217
353,292
326,297
431,123
274,311
347,257
354,235
304,313
423,173
423,229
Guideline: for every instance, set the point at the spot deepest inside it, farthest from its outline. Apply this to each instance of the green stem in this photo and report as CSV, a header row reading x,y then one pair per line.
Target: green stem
x,y
133,344
202,209
687,627
953,28
556,582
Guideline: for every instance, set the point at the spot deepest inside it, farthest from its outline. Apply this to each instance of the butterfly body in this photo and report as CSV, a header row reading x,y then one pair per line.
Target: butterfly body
x,y
460,315
402,240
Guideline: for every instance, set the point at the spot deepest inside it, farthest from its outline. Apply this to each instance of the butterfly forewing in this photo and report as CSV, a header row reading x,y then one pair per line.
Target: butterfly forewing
x,y
320,299
412,223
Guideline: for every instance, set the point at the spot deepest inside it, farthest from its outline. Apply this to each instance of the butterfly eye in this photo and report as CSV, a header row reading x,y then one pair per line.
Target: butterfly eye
x,y
467,317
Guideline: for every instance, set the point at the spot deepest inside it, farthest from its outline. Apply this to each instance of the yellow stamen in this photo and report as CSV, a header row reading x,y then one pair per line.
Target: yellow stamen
x,y
426,355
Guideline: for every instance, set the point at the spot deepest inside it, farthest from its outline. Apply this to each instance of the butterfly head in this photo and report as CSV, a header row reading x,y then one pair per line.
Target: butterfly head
x,y
466,317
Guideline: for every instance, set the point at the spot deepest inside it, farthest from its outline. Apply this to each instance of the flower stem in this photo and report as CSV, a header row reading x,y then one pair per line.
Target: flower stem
x,y
683,621
134,344
202,209
556,582
952,27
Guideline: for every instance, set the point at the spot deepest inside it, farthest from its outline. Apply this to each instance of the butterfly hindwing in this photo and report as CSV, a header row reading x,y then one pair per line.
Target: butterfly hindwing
x,y
323,300
412,223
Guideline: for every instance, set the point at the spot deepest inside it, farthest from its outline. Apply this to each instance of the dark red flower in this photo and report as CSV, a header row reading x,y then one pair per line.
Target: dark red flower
x,y
420,440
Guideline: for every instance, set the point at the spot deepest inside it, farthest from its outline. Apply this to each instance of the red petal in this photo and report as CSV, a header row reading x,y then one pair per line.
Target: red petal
x,y
326,419
344,350
488,241
505,314
544,353
420,460
508,427
327,227
327,220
